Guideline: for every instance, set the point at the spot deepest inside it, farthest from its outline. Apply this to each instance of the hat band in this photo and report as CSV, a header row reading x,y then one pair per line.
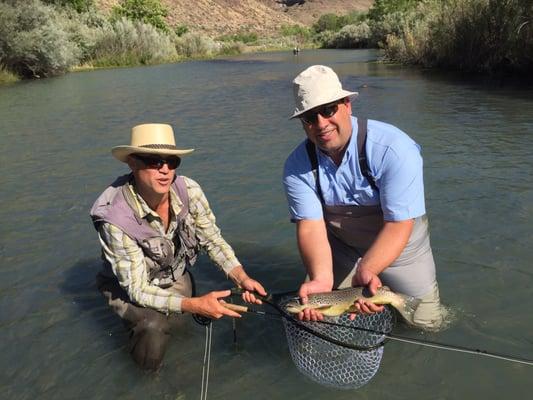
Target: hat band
x,y
159,146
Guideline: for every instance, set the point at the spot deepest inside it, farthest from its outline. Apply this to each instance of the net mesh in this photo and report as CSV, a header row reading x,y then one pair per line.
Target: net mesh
x,y
334,365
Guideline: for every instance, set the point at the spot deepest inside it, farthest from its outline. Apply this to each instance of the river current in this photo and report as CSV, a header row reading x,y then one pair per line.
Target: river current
x,y
58,340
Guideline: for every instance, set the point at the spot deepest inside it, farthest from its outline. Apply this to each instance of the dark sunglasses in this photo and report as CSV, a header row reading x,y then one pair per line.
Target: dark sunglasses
x,y
327,111
156,162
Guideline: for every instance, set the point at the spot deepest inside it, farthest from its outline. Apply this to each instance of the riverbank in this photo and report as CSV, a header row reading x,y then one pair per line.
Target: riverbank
x,y
242,49
54,40
474,36
7,77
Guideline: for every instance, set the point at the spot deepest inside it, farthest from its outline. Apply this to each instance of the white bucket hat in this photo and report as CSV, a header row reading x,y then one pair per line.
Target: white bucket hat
x,y
315,86
150,139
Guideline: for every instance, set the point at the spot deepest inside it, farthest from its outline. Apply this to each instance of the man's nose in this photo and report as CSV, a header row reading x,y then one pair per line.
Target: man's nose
x,y
164,168
321,121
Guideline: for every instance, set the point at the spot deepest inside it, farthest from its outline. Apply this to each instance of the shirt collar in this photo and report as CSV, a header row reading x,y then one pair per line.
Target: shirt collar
x,y
143,209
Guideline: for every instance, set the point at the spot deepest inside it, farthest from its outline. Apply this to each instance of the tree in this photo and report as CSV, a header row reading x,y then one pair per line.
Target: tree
x,y
78,5
148,11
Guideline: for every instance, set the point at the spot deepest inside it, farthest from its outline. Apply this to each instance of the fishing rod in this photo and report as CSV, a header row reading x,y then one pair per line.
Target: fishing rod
x,y
399,338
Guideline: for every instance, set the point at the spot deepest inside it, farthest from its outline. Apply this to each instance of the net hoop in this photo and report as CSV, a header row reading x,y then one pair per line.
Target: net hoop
x,y
331,364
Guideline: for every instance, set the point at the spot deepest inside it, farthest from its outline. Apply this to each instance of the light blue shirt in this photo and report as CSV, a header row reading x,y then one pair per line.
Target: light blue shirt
x,y
395,163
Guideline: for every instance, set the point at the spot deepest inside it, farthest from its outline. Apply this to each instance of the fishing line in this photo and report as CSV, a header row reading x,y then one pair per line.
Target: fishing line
x,y
207,361
438,345
399,338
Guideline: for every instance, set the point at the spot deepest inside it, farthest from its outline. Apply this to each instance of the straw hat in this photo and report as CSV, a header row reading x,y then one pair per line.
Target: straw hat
x,y
150,139
315,86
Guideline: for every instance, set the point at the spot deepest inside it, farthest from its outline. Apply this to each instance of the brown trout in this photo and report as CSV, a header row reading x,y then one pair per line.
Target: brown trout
x,y
341,301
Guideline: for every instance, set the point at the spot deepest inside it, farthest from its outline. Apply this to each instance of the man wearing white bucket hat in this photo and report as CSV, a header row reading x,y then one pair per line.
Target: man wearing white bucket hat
x,y
355,191
151,224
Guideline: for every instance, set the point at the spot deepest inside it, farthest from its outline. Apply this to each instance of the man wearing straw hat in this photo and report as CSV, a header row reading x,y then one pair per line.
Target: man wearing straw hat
x,y
151,224
355,190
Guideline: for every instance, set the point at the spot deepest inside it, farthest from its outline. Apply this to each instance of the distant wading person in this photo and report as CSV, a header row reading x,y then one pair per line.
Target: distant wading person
x,y
151,224
355,190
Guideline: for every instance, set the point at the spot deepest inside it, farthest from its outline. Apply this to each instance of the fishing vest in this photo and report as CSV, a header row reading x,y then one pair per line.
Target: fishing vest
x,y
166,259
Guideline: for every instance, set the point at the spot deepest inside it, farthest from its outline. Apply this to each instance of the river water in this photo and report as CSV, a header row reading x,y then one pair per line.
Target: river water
x,y
59,341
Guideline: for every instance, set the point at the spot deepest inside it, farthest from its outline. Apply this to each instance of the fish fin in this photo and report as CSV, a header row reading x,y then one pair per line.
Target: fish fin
x,y
407,308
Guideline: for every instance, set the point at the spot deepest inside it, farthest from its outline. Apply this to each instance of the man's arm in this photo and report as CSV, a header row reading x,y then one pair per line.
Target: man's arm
x,y
127,261
386,248
217,248
316,255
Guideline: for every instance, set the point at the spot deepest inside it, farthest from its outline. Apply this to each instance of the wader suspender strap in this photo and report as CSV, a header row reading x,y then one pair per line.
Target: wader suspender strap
x,y
362,124
362,128
311,153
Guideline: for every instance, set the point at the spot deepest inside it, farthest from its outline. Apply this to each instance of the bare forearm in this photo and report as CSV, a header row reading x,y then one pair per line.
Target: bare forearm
x,y
387,246
315,250
238,275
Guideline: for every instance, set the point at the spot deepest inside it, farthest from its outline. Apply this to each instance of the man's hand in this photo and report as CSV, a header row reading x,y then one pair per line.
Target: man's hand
x,y
306,289
251,285
209,305
242,280
365,277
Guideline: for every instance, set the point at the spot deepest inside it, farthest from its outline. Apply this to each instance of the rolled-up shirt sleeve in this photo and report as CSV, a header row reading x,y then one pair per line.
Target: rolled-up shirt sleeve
x,y
300,187
128,265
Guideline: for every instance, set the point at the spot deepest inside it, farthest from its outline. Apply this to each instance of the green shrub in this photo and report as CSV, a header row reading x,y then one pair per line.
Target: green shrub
x,y
350,37
324,38
34,41
78,5
295,30
231,48
195,45
243,37
130,43
327,22
85,30
334,23
412,46
180,30
469,35
381,8
7,76
148,11
390,24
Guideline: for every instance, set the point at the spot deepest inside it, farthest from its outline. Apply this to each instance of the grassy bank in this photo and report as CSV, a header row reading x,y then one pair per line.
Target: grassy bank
x,y
7,77
41,38
488,36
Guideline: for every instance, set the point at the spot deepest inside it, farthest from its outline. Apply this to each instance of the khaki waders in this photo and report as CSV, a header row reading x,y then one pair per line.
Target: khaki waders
x,y
149,329
352,230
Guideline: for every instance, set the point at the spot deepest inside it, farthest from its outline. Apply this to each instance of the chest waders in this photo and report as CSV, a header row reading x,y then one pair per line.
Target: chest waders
x,y
149,329
352,229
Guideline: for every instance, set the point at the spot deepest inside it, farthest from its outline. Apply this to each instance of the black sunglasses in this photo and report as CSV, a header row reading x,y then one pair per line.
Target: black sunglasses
x,y
327,111
156,162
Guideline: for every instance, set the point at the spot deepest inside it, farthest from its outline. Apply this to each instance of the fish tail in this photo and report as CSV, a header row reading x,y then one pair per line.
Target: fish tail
x,y
407,307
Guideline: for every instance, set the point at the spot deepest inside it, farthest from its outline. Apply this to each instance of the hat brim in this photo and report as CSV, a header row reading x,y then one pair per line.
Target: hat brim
x,y
338,96
121,153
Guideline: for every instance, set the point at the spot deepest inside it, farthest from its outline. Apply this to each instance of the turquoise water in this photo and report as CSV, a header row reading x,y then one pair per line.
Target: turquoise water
x,y
59,341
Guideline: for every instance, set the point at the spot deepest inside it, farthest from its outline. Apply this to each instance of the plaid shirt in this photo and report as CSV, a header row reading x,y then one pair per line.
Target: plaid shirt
x,y
127,258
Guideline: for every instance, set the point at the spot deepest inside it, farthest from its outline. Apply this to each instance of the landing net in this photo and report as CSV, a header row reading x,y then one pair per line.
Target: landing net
x,y
334,365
